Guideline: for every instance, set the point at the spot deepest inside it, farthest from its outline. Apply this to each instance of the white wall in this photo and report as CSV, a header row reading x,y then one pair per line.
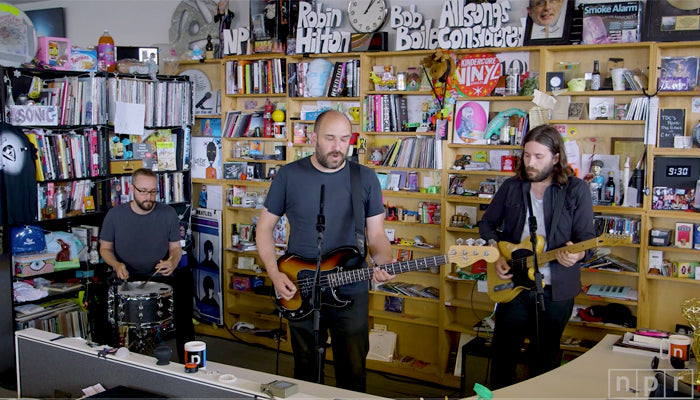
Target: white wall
x,y
147,22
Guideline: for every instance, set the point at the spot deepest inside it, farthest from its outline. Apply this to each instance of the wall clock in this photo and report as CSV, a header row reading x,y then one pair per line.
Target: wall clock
x,y
367,16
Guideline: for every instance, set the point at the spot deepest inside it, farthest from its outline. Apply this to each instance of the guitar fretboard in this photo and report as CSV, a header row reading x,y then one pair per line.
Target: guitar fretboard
x,y
396,268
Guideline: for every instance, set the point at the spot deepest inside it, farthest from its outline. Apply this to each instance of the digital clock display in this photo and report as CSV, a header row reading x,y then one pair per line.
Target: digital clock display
x,y
681,171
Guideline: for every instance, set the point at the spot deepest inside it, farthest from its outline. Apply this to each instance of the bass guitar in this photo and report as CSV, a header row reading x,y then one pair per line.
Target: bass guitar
x,y
340,267
520,259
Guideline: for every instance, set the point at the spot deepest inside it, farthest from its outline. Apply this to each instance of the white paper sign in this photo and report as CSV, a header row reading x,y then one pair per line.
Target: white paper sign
x,y
128,118
33,115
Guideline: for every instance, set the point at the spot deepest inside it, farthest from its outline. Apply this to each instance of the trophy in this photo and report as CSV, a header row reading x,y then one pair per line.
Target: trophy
x,y
690,309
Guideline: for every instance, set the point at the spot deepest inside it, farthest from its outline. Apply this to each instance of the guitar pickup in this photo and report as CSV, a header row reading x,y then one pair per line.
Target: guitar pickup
x,y
503,286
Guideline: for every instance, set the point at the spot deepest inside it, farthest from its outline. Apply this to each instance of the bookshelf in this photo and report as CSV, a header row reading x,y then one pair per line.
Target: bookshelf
x,y
462,303
78,170
71,169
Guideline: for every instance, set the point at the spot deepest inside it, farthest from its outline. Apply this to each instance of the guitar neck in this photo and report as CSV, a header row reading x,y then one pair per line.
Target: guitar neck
x,y
395,268
550,255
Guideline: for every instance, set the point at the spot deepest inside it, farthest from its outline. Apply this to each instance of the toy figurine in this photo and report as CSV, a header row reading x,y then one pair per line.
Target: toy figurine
x,y
598,181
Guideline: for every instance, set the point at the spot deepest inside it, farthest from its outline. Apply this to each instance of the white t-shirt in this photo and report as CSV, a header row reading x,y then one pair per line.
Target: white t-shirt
x,y
538,210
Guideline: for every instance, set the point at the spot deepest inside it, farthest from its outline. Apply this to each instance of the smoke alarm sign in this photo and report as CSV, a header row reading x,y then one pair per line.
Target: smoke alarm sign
x,y
477,74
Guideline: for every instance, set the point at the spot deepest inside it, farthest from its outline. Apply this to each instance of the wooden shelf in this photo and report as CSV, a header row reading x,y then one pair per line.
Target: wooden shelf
x,y
600,325
673,279
456,314
400,317
596,121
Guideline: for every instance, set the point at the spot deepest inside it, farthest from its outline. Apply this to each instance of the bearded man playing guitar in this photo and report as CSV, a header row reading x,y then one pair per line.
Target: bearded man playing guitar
x,y
563,209
295,191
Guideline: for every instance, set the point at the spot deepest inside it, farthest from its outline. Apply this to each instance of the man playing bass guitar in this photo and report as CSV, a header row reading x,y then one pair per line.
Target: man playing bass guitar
x,y
295,191
563,209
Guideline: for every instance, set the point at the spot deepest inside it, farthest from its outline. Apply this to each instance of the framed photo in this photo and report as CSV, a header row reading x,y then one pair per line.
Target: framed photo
x,y
404,255
632,147
471,119
546,27
671,21
245,232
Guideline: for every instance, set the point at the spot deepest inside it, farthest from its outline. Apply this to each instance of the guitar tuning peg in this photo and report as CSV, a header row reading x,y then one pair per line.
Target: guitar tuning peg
x,y
470,242
480,242
459,241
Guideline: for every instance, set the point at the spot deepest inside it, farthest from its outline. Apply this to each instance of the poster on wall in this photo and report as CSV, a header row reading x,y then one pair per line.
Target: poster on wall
x,y
206,158
206,245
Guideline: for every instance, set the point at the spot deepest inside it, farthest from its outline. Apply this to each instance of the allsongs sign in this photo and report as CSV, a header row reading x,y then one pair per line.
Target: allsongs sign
x,y
461,26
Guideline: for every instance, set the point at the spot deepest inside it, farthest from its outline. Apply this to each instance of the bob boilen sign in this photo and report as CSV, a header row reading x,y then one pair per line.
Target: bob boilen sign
x,y
461,26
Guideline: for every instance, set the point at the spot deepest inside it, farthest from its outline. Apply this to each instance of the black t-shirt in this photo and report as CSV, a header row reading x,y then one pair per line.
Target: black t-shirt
x,y
18,177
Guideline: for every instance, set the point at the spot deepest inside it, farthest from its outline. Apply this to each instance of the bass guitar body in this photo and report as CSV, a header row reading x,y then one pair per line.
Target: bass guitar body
x,y
302,271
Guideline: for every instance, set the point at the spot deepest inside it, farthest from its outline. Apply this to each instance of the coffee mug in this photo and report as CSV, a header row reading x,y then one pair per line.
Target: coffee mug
x,y
678,346
196,354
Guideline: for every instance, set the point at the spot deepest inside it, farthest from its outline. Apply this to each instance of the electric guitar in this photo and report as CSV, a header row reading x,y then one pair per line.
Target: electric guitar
x,y
520,260
342,267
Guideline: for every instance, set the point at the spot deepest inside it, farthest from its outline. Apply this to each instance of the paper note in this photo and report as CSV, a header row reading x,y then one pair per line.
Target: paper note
x,y
128,118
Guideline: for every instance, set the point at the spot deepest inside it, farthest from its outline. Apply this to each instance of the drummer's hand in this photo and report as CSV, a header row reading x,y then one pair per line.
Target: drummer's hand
x,y
120,270
165,267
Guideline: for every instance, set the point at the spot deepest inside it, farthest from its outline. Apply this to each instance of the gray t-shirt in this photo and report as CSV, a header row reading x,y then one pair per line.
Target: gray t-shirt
x,y
140,241
296,191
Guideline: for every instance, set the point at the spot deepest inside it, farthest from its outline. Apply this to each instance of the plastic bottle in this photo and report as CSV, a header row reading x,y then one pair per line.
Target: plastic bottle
x,y
105,53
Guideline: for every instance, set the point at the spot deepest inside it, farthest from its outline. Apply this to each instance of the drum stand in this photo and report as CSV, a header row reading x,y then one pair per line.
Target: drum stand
x,y
143,337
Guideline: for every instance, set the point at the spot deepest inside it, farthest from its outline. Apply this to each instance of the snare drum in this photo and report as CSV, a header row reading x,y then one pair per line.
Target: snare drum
x,y
139,305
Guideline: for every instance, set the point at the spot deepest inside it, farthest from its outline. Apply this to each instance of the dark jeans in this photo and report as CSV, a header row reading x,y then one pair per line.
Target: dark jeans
x,y
349,330
514,322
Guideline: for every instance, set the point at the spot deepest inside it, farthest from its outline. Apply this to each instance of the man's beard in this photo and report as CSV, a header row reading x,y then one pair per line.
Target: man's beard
x,y
541,174
146,205
323,159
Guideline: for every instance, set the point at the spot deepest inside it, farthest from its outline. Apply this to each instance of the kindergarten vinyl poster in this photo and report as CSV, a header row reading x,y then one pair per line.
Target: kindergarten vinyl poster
x,y
206,248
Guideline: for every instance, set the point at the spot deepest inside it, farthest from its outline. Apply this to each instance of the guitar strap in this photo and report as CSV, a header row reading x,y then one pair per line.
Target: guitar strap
x,y
357,208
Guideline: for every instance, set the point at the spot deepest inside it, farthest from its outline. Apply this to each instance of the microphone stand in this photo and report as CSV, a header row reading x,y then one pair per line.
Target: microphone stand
x,y
539,278
316,292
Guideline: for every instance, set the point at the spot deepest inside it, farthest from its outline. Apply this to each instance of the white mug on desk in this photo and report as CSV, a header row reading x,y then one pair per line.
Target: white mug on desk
x,y
678,346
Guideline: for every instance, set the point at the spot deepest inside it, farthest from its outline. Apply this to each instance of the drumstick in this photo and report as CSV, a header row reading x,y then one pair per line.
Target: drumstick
x,y
148,280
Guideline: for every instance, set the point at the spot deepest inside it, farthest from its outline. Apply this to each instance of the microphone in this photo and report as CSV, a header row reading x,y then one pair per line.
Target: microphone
x,y
321,222
206,97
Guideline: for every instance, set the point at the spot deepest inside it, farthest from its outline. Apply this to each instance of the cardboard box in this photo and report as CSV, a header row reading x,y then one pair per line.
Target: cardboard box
x,y
33,264
83,59
684,235
54,52
125,166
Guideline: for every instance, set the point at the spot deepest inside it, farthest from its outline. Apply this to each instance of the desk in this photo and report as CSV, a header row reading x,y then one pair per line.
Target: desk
x,y
593,375
69,364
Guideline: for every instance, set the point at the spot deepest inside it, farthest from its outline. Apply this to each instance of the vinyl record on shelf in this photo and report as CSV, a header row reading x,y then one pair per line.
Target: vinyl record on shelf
x,y
18,44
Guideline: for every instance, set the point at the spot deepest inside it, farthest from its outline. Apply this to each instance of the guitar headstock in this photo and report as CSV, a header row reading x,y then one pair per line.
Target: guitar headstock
x,y
464,255
613,239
